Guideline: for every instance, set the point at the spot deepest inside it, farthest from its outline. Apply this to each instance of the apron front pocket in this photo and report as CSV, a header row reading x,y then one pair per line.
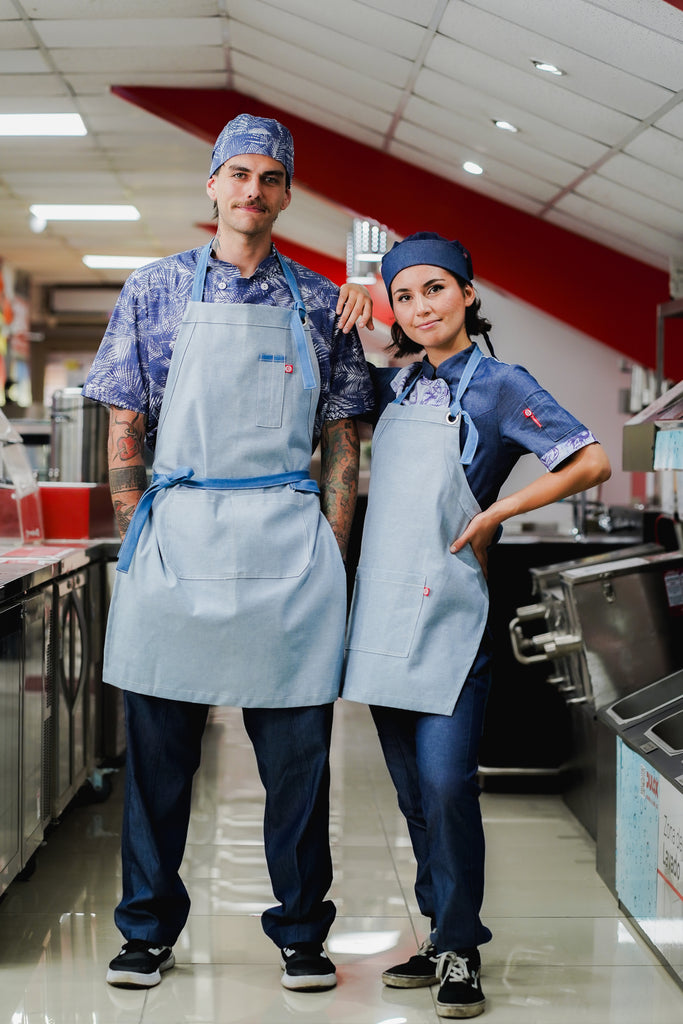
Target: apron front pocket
x,y
270,390
385,611
221,535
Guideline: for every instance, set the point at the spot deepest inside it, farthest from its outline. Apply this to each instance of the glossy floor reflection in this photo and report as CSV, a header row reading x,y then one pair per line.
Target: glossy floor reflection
x,y
561,950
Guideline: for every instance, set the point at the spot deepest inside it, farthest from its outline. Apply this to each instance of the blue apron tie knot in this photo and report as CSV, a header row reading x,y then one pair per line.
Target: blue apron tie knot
x,y
159,483
298,480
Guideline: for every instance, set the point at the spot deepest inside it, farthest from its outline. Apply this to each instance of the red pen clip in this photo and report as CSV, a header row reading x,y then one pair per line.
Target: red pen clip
x,y
289,368
426,591
530,416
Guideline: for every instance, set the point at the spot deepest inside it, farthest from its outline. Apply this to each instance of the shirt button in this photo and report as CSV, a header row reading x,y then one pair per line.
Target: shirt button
x,y
222,285
264,286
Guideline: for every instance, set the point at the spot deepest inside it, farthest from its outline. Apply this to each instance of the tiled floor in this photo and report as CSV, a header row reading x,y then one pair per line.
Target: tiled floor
x,y
561,951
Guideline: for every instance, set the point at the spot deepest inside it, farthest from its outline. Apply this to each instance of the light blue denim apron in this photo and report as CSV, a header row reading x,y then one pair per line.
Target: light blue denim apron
x,y
418,612
231,587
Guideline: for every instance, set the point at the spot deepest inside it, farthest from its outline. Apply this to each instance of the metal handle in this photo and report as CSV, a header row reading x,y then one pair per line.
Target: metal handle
x,y
516,639
529,612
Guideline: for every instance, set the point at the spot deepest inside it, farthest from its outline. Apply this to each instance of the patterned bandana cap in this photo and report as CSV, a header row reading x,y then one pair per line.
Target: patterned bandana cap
x,y
247,134
431,249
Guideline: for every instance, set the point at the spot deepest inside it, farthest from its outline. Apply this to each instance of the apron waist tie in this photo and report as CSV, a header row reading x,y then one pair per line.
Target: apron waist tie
x,y
298,480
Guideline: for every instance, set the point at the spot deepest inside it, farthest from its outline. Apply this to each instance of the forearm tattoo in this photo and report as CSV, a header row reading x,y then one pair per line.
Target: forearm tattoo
x,y
340,449
127,472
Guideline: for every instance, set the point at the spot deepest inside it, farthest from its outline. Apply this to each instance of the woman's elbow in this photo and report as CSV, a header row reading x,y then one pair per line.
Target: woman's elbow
x,y
599,466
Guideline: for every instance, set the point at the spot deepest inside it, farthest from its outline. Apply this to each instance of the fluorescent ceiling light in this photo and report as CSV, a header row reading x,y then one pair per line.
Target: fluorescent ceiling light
x,y
42,124
472,168
92,211
117,262
550,69
505,126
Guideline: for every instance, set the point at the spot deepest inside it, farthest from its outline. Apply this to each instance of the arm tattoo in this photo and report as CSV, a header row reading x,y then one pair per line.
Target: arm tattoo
x,y
127,472
132,478
339,477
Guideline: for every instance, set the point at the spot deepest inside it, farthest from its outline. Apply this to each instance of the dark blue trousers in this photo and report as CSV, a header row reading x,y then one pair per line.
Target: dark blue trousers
x,y
164,749
432,760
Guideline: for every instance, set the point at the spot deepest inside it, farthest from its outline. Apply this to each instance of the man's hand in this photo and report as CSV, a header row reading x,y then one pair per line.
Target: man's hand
x,y
354,307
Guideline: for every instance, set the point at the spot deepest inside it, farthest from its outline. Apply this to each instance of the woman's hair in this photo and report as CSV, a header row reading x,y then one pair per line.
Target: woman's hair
x,y
401,345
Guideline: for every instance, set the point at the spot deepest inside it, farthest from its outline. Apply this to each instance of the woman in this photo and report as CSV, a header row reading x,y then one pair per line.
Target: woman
x,y
451,428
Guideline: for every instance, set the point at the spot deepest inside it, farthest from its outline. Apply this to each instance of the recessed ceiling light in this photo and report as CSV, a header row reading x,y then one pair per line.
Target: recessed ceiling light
x,y
42,124
90,211
505,126
117,262
472,168
550,69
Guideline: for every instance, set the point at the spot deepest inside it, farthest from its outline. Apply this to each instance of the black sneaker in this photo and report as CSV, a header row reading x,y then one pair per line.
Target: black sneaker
x,y
306,966
460,993
139,965
417,972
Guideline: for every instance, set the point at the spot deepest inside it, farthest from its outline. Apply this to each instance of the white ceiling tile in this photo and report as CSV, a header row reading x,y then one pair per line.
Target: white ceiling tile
x,y
356,82
589,28
454,173
644,178
586,76
600,223
124,8
15,88
420,12
299,79
349,20
631,204
23,62
451,156
148,179
343,65
15,35
653,14
487,144
40,104
659,149
301,106
256,21
140,32
672,122
95,84
139,59
73,183
526,89
542,139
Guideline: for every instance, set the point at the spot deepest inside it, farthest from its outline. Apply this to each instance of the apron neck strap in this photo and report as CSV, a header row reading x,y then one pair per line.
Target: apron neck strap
x,y
298,319
472,434
200,273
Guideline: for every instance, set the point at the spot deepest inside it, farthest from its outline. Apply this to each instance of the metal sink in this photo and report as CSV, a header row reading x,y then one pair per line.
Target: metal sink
x,y
651,698
668,733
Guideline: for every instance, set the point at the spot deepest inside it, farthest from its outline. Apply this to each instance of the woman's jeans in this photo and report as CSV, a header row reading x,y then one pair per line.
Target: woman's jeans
x,y
164,749
432,760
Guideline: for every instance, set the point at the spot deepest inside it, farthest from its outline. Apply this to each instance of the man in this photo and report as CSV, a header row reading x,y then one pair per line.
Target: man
x,y
230,363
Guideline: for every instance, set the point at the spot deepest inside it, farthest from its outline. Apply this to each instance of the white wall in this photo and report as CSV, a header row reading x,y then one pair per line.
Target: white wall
x,y
582,373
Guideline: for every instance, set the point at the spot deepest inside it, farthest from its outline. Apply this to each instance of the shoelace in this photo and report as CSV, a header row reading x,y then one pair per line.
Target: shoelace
x,y
427,949
451,967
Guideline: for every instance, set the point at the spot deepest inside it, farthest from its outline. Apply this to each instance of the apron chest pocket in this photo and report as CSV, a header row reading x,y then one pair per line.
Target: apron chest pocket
x,y
270,390
385,611
219,535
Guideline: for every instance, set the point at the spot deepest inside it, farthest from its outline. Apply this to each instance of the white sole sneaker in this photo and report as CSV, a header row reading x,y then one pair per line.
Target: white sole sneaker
x,y
134,979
